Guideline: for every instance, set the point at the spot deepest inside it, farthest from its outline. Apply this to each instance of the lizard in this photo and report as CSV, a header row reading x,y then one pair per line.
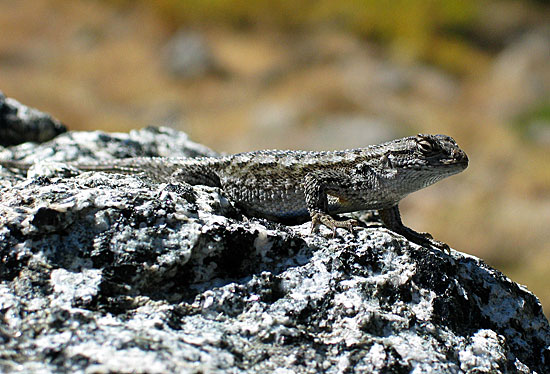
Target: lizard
x,y
293,187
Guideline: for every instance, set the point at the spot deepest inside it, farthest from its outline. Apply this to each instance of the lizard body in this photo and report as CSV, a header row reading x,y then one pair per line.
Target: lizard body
x,y
293,187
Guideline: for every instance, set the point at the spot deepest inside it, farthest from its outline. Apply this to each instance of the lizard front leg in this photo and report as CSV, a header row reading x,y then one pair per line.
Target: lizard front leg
x,y
316,186
392,219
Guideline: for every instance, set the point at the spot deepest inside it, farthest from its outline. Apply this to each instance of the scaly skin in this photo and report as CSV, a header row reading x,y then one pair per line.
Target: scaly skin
x,y
295,186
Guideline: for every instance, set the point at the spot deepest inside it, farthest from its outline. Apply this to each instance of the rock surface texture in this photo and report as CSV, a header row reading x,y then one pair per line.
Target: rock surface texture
x,y
104,273
19,123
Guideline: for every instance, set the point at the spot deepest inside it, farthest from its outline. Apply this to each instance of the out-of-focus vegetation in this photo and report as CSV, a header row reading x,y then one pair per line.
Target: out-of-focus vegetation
x,y
387,19
431,30
534,121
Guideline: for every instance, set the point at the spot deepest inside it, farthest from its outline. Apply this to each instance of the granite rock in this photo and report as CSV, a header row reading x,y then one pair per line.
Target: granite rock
x,y
19,123
103,273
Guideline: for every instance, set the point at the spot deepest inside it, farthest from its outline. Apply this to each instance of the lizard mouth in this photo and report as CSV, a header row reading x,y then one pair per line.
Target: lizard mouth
x,y
462,163
459,159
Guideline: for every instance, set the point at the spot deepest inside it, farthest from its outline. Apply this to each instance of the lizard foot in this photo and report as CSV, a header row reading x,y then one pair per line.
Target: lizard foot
x,y
392,219
322,218
436,243
427,238
440,245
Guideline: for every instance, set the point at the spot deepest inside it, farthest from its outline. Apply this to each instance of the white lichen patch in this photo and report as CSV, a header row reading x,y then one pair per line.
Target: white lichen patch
x,y
484,352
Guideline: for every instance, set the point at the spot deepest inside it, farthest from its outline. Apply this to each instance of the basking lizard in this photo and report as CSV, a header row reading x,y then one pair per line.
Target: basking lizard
x,y
293,187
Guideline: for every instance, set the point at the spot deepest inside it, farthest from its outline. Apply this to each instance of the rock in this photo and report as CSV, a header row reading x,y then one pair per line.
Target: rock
x,y
521,74
87,146
113,273
188,56
19,123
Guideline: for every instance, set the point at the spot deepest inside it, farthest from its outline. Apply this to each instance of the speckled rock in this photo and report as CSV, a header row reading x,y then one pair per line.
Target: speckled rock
x,y
19,123
103,273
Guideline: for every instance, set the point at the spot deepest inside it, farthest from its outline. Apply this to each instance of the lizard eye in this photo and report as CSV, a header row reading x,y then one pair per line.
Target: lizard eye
x,y
425,146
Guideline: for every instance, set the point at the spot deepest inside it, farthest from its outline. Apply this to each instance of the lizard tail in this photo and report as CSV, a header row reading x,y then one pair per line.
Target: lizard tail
x,y
193,171
18,166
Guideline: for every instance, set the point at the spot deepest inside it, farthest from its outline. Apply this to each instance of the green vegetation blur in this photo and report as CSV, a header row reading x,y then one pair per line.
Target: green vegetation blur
x,y
430,30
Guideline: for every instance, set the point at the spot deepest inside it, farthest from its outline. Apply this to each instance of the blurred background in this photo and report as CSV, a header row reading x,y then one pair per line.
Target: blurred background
x,y
325,74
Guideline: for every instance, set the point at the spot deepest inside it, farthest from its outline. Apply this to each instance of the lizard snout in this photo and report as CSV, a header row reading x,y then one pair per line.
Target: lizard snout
x,y
460,157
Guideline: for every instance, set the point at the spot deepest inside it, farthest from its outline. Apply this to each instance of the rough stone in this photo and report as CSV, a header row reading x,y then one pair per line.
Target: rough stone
x,y
19,123
103,273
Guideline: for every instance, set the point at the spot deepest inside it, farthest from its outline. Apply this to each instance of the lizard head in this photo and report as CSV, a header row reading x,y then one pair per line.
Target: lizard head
x,y
428,158
440,150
